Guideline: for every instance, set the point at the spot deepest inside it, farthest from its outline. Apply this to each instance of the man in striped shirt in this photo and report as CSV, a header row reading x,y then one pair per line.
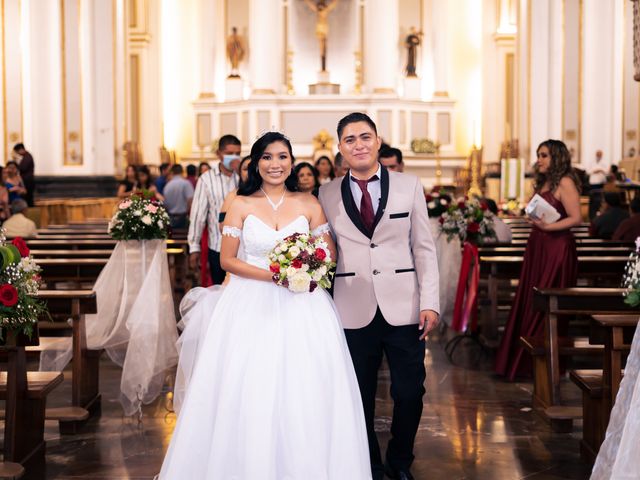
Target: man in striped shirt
x,y
212,188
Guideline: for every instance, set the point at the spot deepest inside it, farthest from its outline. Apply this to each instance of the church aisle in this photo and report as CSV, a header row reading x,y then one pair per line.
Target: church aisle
x,y
472,428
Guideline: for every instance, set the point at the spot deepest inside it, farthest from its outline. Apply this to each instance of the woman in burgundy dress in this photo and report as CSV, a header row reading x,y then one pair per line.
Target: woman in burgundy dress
x,y
550,259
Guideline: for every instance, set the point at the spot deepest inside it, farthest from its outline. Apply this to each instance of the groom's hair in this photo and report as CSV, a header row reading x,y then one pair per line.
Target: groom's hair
x,y
355,117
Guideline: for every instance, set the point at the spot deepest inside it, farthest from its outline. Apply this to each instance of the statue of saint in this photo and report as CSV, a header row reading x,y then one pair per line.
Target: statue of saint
x,y
235,52
412,42
322,9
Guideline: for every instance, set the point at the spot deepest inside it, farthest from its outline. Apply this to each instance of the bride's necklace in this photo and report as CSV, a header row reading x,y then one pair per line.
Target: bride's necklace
x,y
275,206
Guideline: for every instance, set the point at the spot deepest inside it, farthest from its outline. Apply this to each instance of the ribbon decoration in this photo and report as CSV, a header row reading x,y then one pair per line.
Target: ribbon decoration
x,y
465,309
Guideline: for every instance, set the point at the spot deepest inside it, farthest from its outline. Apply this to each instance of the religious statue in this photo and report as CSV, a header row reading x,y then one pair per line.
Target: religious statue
x,y
322,9
235,52
412,42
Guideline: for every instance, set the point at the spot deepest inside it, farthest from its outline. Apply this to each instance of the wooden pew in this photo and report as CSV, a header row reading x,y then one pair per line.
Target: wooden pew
x,y
600,387
85,381
75,243
570,302
25,395
583,251
498,268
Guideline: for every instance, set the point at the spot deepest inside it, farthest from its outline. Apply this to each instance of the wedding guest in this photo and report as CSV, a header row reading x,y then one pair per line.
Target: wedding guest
x,y
18,225
326,173
145,182
307,178
13,181
5,212
340,165
209,196
178,194
629,229
502,230
597,173
392,159
243,168
550,259
605,224
130,182
26,168
162,179
202,168
191,175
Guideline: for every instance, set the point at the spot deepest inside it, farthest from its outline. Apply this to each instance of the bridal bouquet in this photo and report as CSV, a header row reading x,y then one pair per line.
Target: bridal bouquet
x,y
301,263
19,284
631,278
140,217
470,220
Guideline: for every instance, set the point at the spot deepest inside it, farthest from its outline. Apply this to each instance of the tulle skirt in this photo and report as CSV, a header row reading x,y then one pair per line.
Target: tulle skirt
x,y
266,389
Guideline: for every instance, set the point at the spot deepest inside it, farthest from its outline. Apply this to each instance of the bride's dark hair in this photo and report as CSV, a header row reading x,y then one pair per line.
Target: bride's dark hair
x,y
254,180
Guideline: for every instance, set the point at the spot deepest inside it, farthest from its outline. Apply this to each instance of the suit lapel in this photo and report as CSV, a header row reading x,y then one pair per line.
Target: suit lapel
x,y
384,196
350,205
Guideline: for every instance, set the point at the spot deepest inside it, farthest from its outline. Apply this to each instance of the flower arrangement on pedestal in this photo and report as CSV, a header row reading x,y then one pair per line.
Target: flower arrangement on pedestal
x,y
631,278
140,217
470,220
19,284
512,207
438,202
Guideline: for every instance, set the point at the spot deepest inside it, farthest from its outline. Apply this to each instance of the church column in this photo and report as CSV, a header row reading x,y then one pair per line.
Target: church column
x,y
540,74
440,45
602,82
207,12
381,57
265,46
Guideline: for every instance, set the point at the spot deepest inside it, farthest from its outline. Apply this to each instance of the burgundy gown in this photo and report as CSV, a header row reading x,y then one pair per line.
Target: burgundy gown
x,y
550,260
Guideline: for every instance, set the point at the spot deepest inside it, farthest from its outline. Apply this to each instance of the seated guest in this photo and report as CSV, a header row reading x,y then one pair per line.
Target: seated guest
x,y
130,182
13,181
4,200
161,181
503,231
326,173
145,183
307,178
192,175
392,159
616,174
18,225
178,194
608,221
340,165
629,229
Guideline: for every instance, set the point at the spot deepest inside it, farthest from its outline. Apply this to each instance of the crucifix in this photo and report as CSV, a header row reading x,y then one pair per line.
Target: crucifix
x,y
322,8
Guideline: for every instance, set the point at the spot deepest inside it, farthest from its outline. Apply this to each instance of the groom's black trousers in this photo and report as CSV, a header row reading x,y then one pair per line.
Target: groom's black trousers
x,y
405,355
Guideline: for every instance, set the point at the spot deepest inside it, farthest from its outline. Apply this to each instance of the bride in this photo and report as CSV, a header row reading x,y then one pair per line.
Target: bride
x,y
269,387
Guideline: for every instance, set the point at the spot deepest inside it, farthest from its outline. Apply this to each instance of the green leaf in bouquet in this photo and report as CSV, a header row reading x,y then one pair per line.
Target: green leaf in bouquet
x,y
633,298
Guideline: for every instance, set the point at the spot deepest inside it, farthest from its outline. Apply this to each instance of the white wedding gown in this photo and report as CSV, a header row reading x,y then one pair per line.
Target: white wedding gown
x,y
269,388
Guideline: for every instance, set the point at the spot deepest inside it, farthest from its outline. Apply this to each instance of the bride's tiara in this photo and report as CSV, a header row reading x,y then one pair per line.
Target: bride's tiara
x,y
272,129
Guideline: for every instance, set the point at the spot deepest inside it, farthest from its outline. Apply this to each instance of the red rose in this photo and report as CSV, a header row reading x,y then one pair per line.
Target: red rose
x,y
436,188
461,205
296,263
21,245
484,206
274,268
8,295
441,220
429,197
473,227
320,254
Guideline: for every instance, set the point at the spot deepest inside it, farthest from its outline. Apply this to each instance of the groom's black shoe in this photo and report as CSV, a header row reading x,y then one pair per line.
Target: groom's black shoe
x,y
400,474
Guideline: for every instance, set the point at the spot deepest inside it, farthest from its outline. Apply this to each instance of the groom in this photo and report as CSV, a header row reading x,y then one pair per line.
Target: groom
x,y
386,284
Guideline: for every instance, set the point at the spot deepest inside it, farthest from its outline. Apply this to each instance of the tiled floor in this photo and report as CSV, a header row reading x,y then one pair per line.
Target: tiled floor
x,y
474,426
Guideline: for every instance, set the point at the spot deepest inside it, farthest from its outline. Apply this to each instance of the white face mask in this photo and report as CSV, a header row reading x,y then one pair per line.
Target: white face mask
x,y
16,156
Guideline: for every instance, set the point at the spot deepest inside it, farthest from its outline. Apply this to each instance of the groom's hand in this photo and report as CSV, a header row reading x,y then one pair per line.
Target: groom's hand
x,y
428,321
193,260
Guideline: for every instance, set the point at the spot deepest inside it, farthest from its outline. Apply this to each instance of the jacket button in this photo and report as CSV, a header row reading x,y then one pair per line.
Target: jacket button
x,y
376,272
373,245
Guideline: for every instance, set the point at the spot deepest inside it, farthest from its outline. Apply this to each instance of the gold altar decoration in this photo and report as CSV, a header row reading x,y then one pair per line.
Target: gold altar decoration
x,y
323,141
290,89
509,149
357,88
475,164
424,145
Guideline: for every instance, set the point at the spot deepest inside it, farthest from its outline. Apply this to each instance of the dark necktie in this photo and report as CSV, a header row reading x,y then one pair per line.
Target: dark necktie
x,y
366,205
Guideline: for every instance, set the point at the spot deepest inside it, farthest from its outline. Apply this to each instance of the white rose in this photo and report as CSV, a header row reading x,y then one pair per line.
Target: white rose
x,y
291,272
322,270
299,283
146,220
137,213
310,250
278,250
304,267
160,224
284,247
294,252
317,276
431,205
281,258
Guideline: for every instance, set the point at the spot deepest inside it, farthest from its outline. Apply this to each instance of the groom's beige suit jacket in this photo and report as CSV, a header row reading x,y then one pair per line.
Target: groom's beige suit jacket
x,y
396,267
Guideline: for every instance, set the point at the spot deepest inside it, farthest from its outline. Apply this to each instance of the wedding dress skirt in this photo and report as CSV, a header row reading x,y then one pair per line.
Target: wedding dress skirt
x,y
266,388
